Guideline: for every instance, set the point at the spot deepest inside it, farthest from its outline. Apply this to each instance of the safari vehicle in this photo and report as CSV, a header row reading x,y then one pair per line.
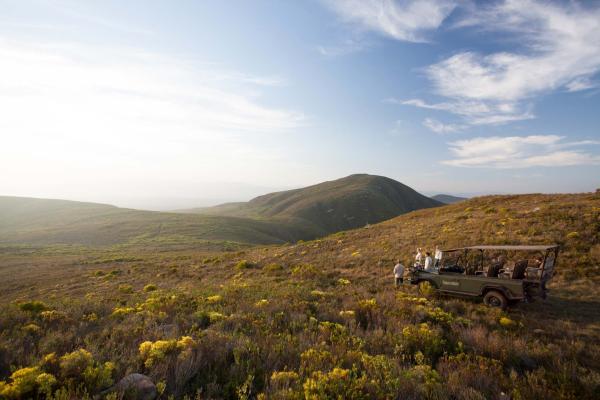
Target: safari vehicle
x,y
500,274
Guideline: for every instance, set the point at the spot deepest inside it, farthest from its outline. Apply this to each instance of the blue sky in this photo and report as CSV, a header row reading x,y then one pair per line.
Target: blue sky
x,y
163,104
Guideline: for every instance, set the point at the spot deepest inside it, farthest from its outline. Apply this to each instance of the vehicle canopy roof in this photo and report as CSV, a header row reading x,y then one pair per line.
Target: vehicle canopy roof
x,y
540,247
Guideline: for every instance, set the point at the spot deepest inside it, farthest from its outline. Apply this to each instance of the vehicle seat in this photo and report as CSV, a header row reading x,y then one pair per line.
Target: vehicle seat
x,y
519,270
490,271
533,273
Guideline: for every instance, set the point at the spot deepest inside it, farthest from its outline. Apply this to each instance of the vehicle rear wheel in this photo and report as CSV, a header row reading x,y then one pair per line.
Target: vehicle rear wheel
x,y
426,288
494,298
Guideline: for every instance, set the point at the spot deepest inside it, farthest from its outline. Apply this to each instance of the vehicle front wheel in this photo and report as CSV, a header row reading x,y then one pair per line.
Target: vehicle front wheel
x,y
494,298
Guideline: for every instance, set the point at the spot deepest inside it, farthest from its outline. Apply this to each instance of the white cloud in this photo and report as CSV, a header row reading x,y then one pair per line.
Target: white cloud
x,y
406,20
91,119
521,152
441,128
561,49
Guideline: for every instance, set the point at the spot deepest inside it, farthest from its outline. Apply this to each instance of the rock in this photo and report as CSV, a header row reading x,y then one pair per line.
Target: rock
x,y
136,387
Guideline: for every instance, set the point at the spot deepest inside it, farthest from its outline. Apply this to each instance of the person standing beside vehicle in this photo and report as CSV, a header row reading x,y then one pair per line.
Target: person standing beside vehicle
x,y
437,256
398,273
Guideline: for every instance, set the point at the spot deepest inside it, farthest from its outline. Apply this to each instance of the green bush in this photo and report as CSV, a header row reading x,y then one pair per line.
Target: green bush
x,y
244,264
33,306
150,288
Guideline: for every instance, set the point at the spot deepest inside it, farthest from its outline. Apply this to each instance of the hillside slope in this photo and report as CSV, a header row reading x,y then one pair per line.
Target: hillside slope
x,y
42,221
570,220
345,203
448,199
319,319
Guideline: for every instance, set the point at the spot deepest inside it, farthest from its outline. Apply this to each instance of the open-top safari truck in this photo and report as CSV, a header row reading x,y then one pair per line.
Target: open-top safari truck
x,y
499,274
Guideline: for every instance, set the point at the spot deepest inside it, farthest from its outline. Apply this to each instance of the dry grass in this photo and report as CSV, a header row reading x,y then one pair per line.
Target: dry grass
x,y
318,319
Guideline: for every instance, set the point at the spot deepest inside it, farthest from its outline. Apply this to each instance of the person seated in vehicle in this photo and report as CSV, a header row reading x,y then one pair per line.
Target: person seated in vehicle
x,y
429,263
418,258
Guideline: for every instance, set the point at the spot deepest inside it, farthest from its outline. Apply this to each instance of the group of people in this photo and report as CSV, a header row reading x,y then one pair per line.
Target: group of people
x,y
422,261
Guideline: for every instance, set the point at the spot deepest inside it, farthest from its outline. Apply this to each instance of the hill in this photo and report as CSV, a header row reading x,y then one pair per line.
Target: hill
x,y
318,319
448,199
43,221
281,217
346,203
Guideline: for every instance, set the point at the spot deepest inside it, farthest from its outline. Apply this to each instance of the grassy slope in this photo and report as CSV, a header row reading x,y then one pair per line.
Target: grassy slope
x,y
41,221
346,203
274,218
448,199
312,307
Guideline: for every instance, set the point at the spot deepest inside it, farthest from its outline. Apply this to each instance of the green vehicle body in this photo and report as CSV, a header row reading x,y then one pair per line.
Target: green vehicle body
x,y
465,273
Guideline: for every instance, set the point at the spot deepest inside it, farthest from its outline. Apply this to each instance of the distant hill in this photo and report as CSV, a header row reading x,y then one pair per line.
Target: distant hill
x,y
273,218
448,199
345,203
43,221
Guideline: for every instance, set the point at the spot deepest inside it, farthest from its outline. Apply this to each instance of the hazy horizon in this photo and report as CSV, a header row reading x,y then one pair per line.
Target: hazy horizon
x,y
153,105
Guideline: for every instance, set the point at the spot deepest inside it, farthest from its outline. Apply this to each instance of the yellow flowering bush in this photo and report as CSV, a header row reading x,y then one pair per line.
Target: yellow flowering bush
x,y
23,383
150,288
153,352
338,383
283,379
507,322
123,311
214,299
261,303
53,316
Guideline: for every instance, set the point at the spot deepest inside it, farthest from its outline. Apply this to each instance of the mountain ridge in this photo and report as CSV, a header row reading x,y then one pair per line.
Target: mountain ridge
x,y
273,218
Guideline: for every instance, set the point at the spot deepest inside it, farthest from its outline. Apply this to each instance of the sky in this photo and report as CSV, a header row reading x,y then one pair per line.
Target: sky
x,y
172,104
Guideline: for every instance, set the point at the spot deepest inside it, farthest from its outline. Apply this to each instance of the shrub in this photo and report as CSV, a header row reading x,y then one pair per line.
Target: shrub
x,y
120,312
153,352
53,316
244,264
507,322
261,303
316,360
33,306
273,267
32,329
72,365
338,383
424,339
305,271
572,235
126,289
343,281
23,382
283,379
217,298
150,288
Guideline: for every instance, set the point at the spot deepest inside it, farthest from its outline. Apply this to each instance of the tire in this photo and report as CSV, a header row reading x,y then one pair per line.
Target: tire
x,y
496,299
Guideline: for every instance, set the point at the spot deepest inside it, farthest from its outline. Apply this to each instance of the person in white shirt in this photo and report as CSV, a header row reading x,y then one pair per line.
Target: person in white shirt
x,y
398,273
428,262
418,258
437,256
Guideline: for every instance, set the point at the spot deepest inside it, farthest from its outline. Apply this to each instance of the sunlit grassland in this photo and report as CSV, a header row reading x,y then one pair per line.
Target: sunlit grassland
x,y
316,319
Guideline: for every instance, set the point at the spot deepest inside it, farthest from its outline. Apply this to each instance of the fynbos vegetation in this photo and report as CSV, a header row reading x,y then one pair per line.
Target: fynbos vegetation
x,y
315,320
